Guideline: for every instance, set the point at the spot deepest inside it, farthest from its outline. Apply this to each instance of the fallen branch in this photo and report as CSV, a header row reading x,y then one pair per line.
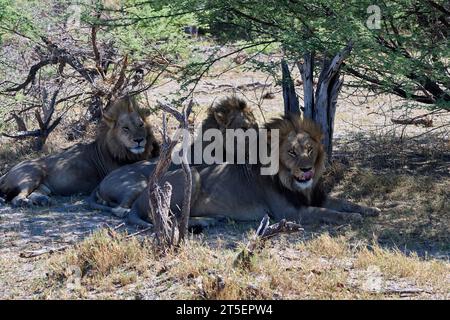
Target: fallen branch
x,y
36,253
265,231
119,226
417,121
243,87
23,134
138,232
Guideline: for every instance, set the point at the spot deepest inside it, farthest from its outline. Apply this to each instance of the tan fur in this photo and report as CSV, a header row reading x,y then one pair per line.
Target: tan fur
x,y
230,113
122,186
290,127
123,137
231,191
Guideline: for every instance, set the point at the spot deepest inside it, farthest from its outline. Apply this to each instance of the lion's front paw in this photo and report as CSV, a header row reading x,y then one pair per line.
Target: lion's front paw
x,y
18,202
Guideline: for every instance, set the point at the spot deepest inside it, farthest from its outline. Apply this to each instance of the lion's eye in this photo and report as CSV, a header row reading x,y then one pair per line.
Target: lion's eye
x,y
309,150
292,153
126,129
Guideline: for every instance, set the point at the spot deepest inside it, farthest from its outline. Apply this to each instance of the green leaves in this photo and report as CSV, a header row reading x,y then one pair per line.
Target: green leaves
x,y
400,46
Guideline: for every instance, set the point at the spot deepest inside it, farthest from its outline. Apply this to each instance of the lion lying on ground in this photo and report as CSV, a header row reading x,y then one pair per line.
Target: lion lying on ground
x,y
294,193
117,192
119,189
123,137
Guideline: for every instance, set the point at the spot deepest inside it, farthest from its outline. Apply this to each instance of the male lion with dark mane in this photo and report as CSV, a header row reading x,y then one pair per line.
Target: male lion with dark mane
x,y
117,192
294,193
230,113
123,137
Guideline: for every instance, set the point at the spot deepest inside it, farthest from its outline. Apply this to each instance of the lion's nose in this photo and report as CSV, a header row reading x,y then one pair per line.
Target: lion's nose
x,y
139,140
306,169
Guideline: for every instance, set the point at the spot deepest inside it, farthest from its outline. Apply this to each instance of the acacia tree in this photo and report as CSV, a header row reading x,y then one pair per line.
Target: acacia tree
x,y
399,47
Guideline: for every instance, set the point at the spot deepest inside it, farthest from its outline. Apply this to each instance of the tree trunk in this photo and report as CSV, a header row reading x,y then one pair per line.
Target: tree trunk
x,y
320,105
306,71
290,98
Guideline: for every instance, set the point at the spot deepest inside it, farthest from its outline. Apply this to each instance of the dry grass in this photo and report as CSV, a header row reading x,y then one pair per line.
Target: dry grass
x,y
106,259
416,209
287,268
394,263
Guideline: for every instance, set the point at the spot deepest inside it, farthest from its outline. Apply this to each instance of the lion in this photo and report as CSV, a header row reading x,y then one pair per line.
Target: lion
x,y
138,214
117,192
123,137
119,189
294,193
229,113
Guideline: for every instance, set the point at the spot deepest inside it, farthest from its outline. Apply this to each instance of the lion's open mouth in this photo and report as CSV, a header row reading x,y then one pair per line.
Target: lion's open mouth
x,y
305,179
137,150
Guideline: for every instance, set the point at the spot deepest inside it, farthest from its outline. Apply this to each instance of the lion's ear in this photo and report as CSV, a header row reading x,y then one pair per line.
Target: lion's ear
x,y
220,117
131,105
144,112
110,122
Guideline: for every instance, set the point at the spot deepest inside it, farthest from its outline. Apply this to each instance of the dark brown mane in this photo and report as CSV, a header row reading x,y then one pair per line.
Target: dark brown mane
x,y
224,107
229,103
298,199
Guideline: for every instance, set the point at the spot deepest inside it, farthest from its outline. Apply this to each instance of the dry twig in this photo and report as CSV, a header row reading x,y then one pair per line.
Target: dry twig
x,y
159,197
265,231
36,253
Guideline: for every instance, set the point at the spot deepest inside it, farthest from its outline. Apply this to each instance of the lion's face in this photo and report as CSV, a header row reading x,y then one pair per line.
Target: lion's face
x,y
130,130
298,157
230,113
301,153
236,119
126,133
